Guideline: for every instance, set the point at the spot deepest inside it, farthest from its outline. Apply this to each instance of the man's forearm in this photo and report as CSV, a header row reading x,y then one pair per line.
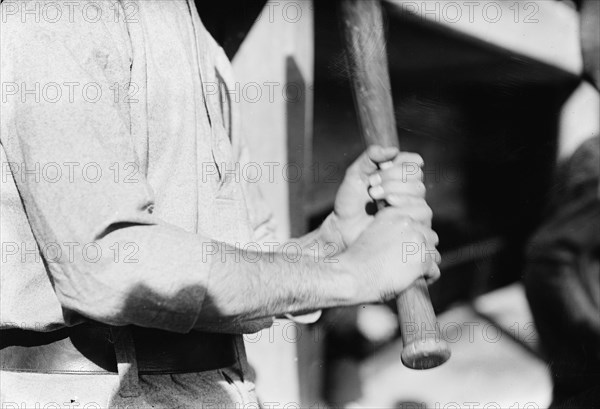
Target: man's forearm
x,y
246,285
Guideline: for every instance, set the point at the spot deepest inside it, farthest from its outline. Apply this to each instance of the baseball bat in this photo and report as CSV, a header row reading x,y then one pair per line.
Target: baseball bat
x,y
362,22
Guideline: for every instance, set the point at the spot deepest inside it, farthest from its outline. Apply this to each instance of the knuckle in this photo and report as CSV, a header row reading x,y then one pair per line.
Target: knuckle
x,y
412,172
412,157
418,159
419,202
428,212
431,236
421,188
407,156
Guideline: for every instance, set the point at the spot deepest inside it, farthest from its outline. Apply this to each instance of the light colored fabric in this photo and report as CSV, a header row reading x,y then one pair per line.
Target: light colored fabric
x,y
222,389
119,191
116,135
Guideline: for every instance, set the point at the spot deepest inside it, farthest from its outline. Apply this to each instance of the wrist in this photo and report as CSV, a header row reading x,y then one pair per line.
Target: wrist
x,y
330,233
348,277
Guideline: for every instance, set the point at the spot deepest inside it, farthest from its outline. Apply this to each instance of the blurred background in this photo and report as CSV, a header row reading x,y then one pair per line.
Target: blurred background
x,y
492,95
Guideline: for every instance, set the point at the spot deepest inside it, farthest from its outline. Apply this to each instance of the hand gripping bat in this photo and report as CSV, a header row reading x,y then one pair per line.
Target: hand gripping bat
x,y
362,23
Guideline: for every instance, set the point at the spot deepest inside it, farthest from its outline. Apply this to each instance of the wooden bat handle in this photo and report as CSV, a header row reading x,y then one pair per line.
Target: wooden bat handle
x,y
368,68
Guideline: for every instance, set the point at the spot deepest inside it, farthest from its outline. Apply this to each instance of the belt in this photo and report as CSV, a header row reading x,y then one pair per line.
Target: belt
x,y
90,349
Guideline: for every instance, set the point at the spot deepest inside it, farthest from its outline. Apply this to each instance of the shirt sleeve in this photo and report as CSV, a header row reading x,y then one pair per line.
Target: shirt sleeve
x,y
65,135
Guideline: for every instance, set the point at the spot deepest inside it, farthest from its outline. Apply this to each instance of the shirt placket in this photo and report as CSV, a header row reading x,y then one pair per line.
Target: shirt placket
x,y
220,150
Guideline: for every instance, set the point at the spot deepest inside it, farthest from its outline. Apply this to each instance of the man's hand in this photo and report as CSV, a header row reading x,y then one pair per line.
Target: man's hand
x,y
379,174
389,255
384,252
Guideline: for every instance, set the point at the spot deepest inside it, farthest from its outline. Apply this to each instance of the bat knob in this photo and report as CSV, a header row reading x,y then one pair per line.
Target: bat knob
x,y
425,354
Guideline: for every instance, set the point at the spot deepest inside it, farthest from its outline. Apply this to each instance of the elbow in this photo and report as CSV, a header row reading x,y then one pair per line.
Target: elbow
x,y
116,297
92,304
96,291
